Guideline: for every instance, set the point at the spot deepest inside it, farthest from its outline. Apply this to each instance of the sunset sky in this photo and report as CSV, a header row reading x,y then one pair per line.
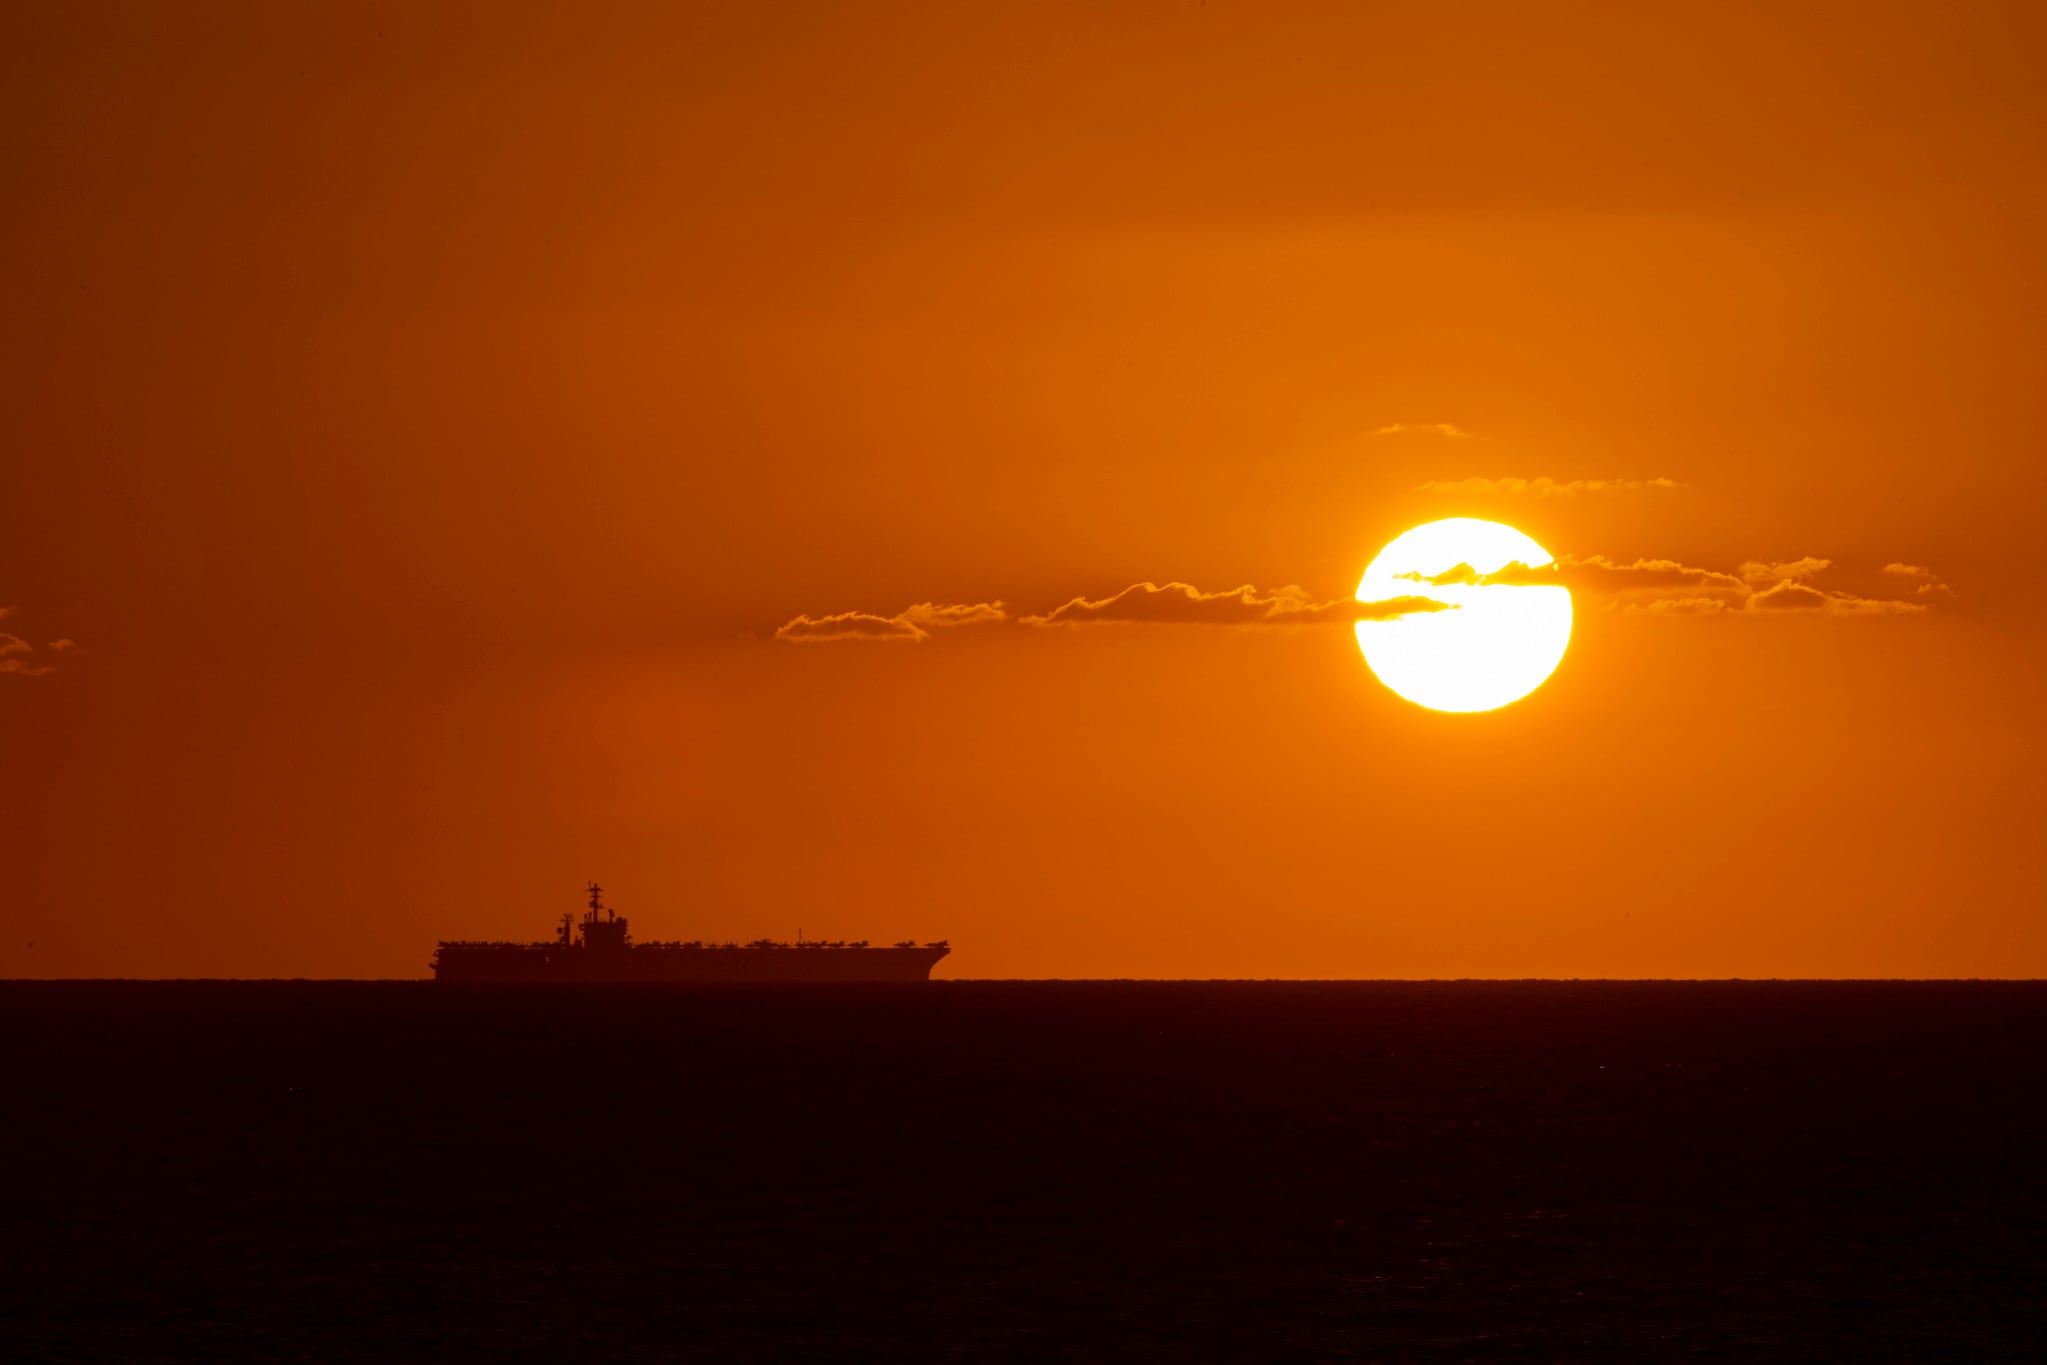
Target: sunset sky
x,y
439,437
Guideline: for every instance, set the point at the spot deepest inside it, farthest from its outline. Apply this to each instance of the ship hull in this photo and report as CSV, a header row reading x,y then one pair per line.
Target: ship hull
x,y
553,962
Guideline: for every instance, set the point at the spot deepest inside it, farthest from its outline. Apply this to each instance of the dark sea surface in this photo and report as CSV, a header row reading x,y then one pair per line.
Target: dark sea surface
x,y
1025,1171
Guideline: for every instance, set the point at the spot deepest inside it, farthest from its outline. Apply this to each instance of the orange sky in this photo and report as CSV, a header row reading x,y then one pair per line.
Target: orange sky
x,y
422,419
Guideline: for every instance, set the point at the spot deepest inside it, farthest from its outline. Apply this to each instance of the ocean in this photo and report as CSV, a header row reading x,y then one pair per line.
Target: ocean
x,y
1027,1171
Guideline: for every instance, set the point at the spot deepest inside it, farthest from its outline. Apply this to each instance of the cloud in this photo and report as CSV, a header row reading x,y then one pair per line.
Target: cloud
x,y
1664,587
1650,587
931,614
1789,571
848,625
1184,604
1788,595
1454,432
1792,595
1349,610
1545,487
1139,604
1597,573
1682,606
12,648
911,625
15,653
1925,581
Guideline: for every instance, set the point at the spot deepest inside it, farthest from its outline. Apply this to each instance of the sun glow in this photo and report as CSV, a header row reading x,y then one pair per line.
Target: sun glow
x,y
1497,643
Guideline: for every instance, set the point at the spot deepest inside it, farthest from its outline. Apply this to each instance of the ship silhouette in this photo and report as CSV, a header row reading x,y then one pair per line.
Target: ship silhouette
x,y
598,947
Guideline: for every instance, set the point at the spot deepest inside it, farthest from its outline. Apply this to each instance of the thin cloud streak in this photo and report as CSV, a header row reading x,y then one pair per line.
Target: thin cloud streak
x,y
12,651
911,625
1449,429
1650,587
849,625
1761,575
1545,487
1140,604
1665,587
16,654
1184,604
1925,581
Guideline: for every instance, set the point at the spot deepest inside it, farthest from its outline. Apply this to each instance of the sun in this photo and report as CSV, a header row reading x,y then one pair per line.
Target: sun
x,y
1498,641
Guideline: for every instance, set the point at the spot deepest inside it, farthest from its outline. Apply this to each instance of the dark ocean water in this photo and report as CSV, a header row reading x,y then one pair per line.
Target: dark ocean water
x,y
996,1171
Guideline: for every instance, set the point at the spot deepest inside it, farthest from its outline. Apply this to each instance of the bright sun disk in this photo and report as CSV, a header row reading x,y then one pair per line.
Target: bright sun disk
x,y
1495,644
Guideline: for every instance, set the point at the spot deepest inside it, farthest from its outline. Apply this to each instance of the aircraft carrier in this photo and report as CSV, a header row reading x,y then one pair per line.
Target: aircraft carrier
x,y
598,947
